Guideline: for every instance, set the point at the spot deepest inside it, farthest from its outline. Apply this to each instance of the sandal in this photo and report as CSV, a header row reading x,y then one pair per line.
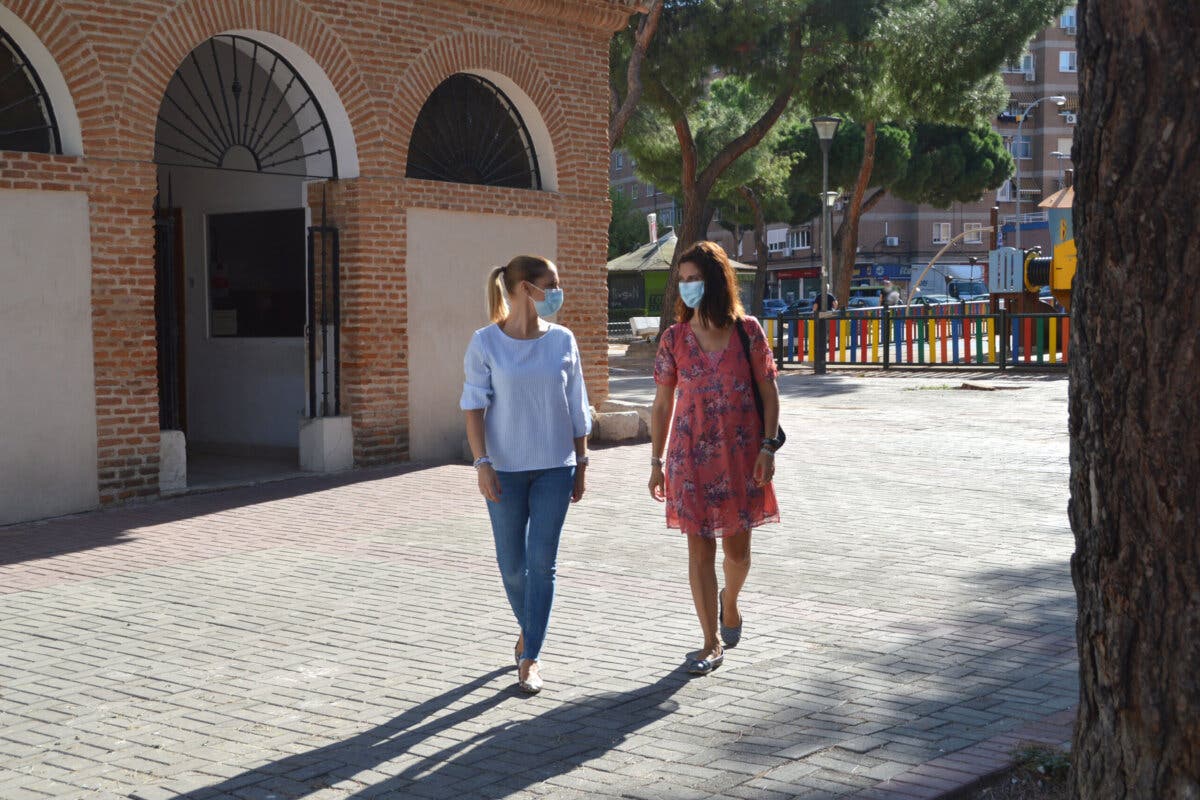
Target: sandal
x,y
703,666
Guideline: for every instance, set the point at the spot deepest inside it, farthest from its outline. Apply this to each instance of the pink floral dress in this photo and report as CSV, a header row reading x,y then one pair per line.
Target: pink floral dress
x,y
715,434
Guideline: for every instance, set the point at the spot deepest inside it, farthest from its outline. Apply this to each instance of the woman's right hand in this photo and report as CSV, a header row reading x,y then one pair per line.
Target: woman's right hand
x,y
489,483
658,484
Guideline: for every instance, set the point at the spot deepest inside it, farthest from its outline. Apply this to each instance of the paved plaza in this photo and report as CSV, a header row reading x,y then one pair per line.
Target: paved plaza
x,y
348,637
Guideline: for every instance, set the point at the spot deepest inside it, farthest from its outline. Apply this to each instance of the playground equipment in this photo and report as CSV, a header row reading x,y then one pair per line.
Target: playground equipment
x,y
1017,277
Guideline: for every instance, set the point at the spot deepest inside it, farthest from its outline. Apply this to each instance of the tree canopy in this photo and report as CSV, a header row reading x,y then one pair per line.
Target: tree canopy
x,y
760,51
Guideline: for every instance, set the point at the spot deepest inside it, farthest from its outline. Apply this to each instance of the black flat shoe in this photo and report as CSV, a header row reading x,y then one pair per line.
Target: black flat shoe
x,y
730,636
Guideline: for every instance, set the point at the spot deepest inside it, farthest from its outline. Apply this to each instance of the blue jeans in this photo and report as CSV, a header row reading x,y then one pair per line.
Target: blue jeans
x,y
527,524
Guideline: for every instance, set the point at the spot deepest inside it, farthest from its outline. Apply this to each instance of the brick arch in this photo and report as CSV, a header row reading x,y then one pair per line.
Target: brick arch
x,y
472,51
75,57
193,22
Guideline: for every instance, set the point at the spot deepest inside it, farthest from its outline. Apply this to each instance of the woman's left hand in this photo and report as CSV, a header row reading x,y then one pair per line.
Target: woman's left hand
x,y
764,468
577,492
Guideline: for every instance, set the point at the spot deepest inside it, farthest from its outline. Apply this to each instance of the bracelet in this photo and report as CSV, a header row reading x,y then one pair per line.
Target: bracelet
x,y
768,451
582,461
655,462
479,462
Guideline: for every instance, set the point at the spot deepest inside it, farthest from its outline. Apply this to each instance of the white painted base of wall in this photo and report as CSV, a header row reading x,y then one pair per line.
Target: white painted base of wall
x,y
326,444
172,461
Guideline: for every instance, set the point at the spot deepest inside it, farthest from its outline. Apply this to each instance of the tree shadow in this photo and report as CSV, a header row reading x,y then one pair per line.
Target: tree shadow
x,y
495,762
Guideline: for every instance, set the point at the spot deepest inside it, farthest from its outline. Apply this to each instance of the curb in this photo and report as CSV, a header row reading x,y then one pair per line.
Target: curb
x,y
955,775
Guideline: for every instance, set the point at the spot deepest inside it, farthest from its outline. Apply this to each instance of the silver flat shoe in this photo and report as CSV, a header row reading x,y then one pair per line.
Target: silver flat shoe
x,y
532,684
730,636
703,666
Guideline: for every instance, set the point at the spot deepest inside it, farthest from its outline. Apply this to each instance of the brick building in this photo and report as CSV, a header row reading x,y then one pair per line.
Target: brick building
x,y
264,225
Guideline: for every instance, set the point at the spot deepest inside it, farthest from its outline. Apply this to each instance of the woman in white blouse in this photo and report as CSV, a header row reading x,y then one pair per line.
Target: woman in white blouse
x,y
527,424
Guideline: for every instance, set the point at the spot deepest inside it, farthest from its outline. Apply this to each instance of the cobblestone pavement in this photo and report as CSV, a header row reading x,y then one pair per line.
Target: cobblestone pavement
x,y
347,637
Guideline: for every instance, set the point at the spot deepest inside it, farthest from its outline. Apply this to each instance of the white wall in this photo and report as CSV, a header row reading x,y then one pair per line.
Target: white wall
x,y
449,258
47,384
245,391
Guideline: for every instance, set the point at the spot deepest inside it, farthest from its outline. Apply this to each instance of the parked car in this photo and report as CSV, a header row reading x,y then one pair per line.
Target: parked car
x,y
801,307
931,300
863,302
773,307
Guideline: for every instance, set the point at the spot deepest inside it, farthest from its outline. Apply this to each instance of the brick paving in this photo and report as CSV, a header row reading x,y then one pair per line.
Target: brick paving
x,y
347,637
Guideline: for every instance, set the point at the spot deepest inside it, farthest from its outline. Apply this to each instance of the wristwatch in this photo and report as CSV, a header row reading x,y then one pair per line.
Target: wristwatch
x,y
581,461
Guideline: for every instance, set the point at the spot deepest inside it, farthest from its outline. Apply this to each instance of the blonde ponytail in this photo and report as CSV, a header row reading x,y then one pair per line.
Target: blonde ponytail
x,y
503,280
497,303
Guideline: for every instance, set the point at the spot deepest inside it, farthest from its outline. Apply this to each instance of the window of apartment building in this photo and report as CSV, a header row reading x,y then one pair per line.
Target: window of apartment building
x,y
1023,64
1067,20
618,161
800,240
1067,61
941,232
1019,149
974,232
1064,146
650,190
632,163
633,190
776,240
1005,193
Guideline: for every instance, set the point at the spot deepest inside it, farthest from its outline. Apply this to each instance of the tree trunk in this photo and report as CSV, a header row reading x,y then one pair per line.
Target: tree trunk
x,y
1135,417
845,249
623,111
697,185
760,251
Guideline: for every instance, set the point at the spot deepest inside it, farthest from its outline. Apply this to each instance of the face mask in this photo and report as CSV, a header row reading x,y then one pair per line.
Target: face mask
x,y
691,293
550,306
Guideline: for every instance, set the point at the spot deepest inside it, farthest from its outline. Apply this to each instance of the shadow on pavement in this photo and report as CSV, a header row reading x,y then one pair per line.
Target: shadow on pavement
x,y
491,763
42,539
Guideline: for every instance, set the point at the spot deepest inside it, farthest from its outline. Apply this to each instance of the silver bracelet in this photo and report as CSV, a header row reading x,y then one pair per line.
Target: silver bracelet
x,y
655,462
479,462
582,461
768,451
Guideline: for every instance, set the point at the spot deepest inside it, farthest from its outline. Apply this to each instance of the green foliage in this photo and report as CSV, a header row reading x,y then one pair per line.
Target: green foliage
x,y
893,149
627,229
952,164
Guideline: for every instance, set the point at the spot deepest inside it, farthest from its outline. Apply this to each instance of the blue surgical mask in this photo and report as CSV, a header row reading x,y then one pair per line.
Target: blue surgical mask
x,y
691,293
550,306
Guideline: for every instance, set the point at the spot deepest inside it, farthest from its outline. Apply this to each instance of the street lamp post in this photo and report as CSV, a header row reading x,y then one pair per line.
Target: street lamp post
x,y
1060,156
1058,100
826,128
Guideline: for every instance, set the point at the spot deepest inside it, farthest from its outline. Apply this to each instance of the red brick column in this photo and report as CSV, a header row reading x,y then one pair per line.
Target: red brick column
x,y
374,313
121,196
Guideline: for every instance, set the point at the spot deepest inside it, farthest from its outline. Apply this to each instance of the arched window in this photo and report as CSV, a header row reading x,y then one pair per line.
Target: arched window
x,y
468,131
235,103
26,118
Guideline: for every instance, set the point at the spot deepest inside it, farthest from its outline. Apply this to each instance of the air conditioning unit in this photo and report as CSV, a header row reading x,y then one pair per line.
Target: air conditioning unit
x,y
891,241
1070,117
1030,77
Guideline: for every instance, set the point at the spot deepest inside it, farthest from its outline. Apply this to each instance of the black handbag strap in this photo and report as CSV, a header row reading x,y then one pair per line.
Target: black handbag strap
x,y
758,401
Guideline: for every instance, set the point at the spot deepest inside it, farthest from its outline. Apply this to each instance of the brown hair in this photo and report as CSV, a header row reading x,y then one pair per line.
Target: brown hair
x,y
502,281
721,304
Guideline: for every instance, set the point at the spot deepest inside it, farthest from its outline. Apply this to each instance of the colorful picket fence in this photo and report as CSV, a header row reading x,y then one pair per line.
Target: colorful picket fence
x,y
928,340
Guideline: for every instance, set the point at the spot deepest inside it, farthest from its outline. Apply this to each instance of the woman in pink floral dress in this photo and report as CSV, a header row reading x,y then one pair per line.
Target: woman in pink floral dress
x,y
716,478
